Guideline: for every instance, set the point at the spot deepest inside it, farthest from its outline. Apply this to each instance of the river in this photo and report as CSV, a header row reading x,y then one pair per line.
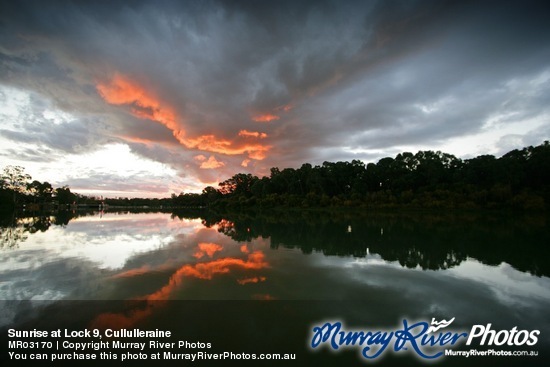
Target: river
x,y
255,282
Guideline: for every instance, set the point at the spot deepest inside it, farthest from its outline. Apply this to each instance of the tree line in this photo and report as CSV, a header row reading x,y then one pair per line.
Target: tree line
x,y
19,191
520,179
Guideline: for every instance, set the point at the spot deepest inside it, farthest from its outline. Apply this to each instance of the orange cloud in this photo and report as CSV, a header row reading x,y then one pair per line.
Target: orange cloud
x,y
252,134
245,163
145,105
208,143
207,248
122,91
206,270
259,153
244,249
268,117
223,146
211,163
251,280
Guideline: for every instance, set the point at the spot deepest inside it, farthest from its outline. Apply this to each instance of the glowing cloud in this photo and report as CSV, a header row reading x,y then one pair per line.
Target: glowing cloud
x,y
213,144
207,249
252,134
211,163
206,270
260,153
121,90
251,280
268,117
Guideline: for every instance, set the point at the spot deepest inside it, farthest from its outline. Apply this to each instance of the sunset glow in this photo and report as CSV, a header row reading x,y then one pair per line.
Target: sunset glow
x,y
252,134
211,143
122,91
208,249
210,163
144,105
206,270
201,270
251,280
268,117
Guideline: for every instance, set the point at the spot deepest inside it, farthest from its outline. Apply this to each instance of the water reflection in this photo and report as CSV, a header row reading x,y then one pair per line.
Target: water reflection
x,y
163,256
169,256
430,242
377,269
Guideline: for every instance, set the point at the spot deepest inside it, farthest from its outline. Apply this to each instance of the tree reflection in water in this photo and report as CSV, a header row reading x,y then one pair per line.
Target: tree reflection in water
x,y
430,241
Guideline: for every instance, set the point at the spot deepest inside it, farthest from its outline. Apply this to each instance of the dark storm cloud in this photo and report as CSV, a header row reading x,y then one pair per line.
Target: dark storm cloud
x,y
341,78
465,71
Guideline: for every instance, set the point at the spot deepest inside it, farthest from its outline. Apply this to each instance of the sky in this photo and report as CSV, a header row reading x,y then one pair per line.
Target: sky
x,y
147,99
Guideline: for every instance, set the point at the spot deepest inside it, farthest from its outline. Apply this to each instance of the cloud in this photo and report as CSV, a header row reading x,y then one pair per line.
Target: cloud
x,y
265,118
251,280
206,270
211,163
208,249
252,134
122,91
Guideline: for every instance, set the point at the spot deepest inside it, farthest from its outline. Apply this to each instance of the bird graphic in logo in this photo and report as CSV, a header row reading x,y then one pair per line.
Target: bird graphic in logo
x,y
439,325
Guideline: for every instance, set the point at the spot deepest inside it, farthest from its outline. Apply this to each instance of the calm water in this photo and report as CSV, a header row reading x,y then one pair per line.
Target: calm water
x,y
370,271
